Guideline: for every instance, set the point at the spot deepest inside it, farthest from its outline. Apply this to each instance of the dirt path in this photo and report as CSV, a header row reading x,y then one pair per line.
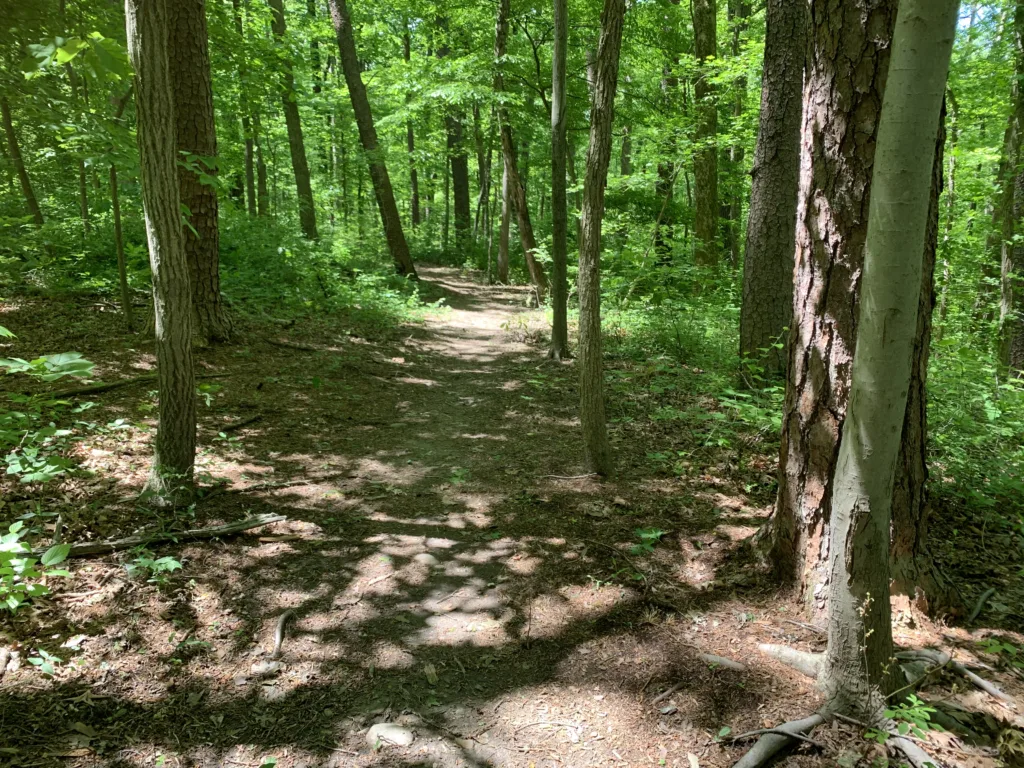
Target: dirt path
x,y
434,573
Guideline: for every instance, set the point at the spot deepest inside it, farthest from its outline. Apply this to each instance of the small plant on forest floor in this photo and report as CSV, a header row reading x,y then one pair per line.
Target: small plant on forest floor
x,y
21,574
911,717
157,568
45,661
1006,652
648,538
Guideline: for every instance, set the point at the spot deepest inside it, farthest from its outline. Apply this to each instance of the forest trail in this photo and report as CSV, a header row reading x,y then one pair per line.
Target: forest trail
x,y
440,569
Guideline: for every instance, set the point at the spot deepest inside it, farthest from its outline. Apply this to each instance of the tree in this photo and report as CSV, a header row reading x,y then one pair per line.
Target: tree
x,y
597,454
197,142
767,307
14,150
559,205
1011,326
705,157
243,105
503,230
368,136
174,457
516,185
296,143
835,184
410,138
458,157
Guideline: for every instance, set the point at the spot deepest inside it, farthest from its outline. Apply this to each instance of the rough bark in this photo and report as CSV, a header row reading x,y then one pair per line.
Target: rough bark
x,y
410,140
847,63
458,156
516,186
384,193
767,306
705,156
859,674
664,185
14,150
1011,262
175,444
296,143
559,206
197,138
597,452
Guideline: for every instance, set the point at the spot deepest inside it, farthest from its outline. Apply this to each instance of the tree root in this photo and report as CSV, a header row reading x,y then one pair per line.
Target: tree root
x,y
778,739
805,662
941,659
980,605
721,661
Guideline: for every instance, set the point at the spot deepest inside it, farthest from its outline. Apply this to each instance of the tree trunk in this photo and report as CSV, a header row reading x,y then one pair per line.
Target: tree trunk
x,y
296,144
767,307
174,455
122,267
243,104
262,190
516,186
506,215
626,153
14,150
410,140
858,673
842,98
1011,329
596,449
732,208
705,156
559,206
385,195
197,140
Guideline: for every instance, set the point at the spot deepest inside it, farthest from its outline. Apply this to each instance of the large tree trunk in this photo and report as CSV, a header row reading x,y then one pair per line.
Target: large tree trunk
x,y
385,195
14,150
197,138
175,450
296,144
842,101
858,673
516,186
767,307
1011,341
559,206
705,156
597,453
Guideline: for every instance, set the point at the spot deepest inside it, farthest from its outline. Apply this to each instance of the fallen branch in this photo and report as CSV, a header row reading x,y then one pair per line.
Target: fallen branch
x,y
118,545
666,693
940,658
296,345
91,389
980,605
721,661
777,739
804,662
242,423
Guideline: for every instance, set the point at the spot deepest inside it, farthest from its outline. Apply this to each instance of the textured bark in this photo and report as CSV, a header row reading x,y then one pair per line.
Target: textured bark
x,y
1011,328
506,215
767,307
732,208
847,64
559,206
705,157
196,136
458,157
243,104
385,195
664,225
597,454
516,185
14,150
174,455
410,140
296,143
858,674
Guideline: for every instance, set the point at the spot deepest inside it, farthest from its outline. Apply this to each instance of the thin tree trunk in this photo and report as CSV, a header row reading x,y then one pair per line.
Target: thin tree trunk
x,y
262,190
858,673
705,157
197,140
767,307
559,206
122,267
296,143
516,185
410,139
503,232
596,449
243,103
732,208
458,158
14,150
174,455
385,195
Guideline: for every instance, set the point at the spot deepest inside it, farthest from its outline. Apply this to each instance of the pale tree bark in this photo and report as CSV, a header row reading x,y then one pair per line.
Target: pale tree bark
x,y
842,101
196,136
384,193
767,306
296,143
705,156
115,205
597,453
516,185
14,150
858,673
262,189
503,230
559,205
732,206
174,455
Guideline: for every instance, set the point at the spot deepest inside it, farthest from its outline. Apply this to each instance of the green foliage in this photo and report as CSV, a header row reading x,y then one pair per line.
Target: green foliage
x,y
21,573
157,570
648,538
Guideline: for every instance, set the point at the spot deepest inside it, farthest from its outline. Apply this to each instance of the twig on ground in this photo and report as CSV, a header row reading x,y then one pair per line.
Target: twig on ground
x,y
242,423
621,554
666,693
92,389
779,731
808,627
279,632
570,477
980,605
118,545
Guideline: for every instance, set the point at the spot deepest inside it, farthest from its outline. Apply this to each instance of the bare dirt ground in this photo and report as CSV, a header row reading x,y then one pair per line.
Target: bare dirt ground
x,y
443,567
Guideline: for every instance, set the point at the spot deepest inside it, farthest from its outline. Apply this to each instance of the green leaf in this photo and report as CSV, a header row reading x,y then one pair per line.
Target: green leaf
x,y
56,554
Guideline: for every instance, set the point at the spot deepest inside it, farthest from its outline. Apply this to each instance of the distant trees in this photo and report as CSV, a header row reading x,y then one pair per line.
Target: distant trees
x,y
147,25
705,158
14,151
559,203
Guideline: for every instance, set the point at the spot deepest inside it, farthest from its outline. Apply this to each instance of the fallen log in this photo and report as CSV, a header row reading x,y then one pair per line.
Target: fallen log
x,y
91,389
119,545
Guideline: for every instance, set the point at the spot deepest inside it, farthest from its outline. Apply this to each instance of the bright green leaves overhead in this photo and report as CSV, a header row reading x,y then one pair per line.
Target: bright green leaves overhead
x,y
101,58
